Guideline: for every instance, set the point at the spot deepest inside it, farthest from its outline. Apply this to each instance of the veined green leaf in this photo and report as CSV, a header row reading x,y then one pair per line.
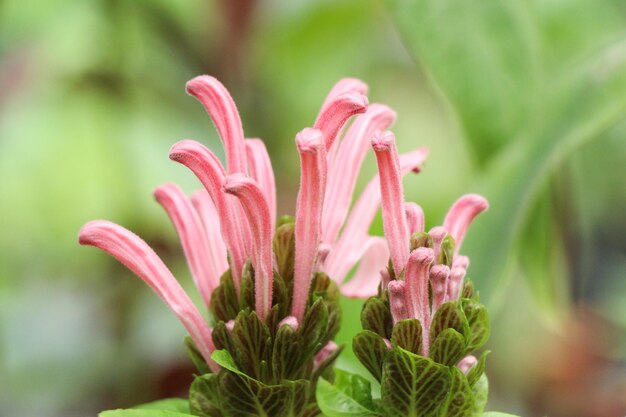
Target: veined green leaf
x,y
180,405
349,396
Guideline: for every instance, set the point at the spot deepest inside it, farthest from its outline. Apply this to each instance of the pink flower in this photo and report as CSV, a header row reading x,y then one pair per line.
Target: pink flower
x,y
409,294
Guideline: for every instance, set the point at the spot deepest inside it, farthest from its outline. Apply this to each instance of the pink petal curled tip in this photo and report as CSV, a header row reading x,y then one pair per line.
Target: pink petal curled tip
x,y
454,283
366,279
309,207
414,217
332,117
290,321
257,211
137,256
220,105
348,249
320,357
205,165
192,235
461,262
342,174
343,86
260,167
438,233
467,363
230,325
394,219
416,279
461,215
397,300
439,275
210,219
323,251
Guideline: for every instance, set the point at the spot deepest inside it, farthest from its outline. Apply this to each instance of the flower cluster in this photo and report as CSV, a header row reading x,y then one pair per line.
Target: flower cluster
x,y
271,284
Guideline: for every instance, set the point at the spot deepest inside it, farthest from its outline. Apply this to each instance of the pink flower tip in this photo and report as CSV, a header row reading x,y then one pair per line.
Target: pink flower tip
x,y
88,234
424,256
309,140
290,321
234,183
383,141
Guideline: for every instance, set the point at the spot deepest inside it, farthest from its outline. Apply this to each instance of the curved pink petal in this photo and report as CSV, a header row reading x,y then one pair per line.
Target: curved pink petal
x,y
349,249
439,283
367,277
461,214
394,219
343,172
137,256
343,86
438,233
205,208
416,278
220,105
257,211
309,207
333,116
192,237
454,283
260,167
467,363
397,300
205,165
414,217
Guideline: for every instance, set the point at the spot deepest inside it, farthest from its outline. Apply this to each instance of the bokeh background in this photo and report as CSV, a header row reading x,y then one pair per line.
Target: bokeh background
x,y
522,100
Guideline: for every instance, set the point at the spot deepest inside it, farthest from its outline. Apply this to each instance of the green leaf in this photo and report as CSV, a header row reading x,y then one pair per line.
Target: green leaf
x,y
478,370
448,347
224,359
350,396
413,386
460,401
481,394
496,414
142,413
376,317
407,334
180,405
478,320
449,316
371,350
195,356
204,398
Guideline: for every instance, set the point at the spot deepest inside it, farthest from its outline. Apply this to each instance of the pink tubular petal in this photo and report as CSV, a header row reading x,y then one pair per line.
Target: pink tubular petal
x,y
205,165
414,217
343,86
336,114
257,211
461,214
394,219
205,208
343,172
454,283
438,233
416,279
290,321
320,357
367,277
309,207
137,256
467,363
439,283
349,248
192,237
461,262
397,300
260,167
222,109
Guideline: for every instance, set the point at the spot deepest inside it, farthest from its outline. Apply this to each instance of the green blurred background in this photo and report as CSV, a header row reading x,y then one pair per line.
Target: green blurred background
x,y
524,101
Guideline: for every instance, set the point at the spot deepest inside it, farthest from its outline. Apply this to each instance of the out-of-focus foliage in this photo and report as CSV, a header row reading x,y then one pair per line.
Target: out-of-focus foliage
x,y
522,100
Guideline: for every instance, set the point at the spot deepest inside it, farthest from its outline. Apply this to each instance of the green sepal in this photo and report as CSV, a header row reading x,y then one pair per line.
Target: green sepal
x,y
478,320
460,401
448,348
224,300
421,240
412,385
468,290
196,357
204,398
407,334
246,288
281,296
251,340
478,370
371,350
376,317
481,394
446,252
285,354
222,337
284,246
449,315
312,330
